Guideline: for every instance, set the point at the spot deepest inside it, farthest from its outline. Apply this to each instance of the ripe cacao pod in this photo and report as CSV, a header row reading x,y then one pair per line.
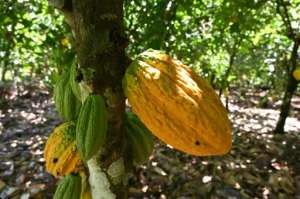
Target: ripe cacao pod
x,y
69,188
177,105
60,153
138,138
91,128
66,102
296,74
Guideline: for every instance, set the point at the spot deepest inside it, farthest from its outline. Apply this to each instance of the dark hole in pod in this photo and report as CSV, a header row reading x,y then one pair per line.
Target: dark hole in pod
x,y
197,142
74,174
79,76
55,160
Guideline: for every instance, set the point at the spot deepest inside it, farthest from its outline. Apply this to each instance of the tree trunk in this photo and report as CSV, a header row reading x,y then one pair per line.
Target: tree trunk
x,y
289,92
5,64
225,83
98,29
168,16
232,52
3,73
286,103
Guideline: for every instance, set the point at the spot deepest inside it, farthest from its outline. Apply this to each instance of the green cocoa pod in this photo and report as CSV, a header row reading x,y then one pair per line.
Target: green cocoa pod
x,y
69,188
84,90
66,102
74,84
138,138
91,128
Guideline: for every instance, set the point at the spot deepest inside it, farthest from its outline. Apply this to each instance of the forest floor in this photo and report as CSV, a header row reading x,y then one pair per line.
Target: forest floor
x,y
260,164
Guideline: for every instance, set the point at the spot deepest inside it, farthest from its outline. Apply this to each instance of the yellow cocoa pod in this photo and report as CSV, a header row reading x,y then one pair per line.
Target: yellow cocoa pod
x,y
296,74
177,105
60,152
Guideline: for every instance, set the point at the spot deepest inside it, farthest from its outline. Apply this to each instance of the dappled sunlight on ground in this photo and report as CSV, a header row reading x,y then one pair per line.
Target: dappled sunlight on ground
x,y
260,164
262,167
247,114
26,123
260,120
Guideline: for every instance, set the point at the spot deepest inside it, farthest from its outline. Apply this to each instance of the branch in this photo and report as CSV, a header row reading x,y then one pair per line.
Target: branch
x,y
285,18
294,54
168,16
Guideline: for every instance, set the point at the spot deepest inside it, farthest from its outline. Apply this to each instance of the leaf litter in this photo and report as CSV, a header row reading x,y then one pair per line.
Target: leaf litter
x,y
259,165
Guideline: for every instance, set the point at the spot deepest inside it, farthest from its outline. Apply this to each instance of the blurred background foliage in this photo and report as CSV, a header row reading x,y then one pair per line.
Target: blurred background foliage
x,y
30,35
234,45
231,43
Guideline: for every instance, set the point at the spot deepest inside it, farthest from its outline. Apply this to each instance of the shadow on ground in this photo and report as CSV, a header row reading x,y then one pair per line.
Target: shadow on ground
x,y
260,164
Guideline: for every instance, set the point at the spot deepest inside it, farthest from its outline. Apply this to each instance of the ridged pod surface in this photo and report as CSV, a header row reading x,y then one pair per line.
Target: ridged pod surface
x,y
68,188
61,154
91,128
296,74
177,105
73,83
138,138
66,102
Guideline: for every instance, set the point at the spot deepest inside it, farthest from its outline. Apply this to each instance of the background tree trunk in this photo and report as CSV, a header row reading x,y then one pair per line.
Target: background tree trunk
x,y
289,92
3,73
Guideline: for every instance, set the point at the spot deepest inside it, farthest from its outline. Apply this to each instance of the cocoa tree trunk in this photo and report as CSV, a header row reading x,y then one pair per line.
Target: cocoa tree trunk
x,y
97,26
289,91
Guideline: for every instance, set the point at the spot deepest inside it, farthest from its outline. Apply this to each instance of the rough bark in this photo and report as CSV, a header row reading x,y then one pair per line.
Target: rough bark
x,y
98,29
